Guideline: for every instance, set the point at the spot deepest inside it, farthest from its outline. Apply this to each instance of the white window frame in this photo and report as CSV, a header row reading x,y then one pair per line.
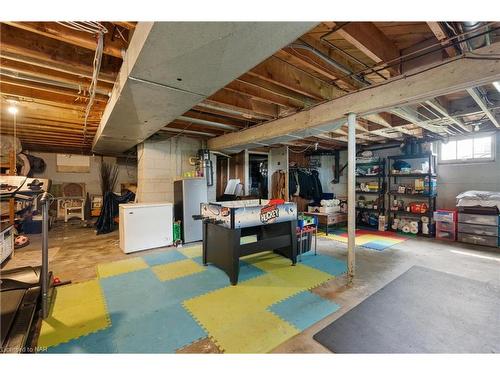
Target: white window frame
x,y
471,161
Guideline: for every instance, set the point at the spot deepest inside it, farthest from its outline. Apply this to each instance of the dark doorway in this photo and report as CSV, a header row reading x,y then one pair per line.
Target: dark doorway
x,y
258,175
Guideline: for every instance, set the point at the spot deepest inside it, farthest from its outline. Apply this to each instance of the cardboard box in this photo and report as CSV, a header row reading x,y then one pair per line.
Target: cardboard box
x,y
323,210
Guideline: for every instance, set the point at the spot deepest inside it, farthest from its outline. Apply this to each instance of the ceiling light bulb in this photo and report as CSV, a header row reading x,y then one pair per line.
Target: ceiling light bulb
x,y
476,127
497,85
12,110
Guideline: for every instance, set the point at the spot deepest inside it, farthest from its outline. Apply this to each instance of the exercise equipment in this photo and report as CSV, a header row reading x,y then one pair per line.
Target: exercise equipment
x,y
24,291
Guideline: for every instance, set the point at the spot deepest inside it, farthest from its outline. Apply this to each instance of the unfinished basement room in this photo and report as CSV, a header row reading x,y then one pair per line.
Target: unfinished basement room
x,y
249,187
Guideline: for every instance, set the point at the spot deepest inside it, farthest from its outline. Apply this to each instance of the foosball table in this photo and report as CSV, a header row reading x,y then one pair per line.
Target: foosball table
x,y
271,223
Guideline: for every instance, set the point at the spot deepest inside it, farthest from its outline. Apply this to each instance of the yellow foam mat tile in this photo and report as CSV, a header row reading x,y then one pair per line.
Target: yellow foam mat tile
x,y
236,316
78,310
360,240
191,251
121,266
269,261
253,333
178,269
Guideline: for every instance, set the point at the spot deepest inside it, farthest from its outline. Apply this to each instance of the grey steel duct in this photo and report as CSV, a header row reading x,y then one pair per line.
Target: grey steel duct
x,y
329,61
208,123
473,28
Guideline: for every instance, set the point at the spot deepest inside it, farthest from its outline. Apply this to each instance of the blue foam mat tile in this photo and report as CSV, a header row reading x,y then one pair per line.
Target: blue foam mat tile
x,y
247,270
160,331
324,263
134,293
164,257
304,309
376,245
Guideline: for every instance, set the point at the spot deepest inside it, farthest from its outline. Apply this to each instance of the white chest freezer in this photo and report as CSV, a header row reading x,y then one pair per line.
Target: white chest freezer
x,y
145,226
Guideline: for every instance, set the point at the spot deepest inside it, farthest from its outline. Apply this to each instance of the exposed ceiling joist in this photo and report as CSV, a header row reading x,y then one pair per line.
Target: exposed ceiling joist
x,y
427,82
20,45
284,74
441,35
480,102
439,108
112,46
18,67
412,117
366,37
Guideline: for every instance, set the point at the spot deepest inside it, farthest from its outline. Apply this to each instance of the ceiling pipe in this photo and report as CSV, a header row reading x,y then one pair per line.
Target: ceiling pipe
x,y
24,77
476,38
193,132
330,61
208,123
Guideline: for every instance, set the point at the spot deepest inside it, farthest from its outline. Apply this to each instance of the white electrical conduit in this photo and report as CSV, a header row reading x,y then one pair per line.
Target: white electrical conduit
x,y
91,28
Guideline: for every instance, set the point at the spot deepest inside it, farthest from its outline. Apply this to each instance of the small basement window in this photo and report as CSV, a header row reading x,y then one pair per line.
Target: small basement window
x,y
478,148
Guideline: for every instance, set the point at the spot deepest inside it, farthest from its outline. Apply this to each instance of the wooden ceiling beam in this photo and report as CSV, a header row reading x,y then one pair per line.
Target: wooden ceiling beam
x,y
244,104
303,100
125,24
442,37
282,73
305,63
263,95
112,47
370,40
43,137
21,45
25,92
41,124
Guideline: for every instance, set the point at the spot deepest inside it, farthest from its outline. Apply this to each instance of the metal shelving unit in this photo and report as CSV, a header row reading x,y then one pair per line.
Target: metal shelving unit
x,y
430,198
380,193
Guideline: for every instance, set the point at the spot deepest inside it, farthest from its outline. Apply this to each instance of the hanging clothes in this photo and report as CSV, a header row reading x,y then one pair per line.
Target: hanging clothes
x,y
306,184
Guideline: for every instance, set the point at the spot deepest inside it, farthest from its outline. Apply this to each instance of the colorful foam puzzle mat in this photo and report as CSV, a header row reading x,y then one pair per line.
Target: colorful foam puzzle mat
x,y
370,239
163,302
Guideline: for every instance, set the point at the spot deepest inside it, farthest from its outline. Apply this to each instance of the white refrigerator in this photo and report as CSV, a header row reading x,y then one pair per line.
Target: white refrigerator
x,y
145,226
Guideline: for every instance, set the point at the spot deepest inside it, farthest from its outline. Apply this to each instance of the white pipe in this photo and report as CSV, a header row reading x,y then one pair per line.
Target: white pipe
x,y
351,197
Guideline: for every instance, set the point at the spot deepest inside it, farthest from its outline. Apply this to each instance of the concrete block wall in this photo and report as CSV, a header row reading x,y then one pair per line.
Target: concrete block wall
x,y
159,163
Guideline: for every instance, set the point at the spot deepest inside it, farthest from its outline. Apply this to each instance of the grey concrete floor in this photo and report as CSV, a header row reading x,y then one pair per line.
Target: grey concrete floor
x,y
75,251
374,269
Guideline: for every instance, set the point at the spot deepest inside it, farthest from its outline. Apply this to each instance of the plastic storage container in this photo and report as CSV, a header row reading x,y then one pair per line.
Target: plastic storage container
x,y
449,216
478,239
446,226
478,219
484,230
446,236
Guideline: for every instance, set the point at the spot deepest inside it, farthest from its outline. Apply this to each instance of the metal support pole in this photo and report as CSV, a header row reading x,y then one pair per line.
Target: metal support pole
x,y
45,254
351,197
